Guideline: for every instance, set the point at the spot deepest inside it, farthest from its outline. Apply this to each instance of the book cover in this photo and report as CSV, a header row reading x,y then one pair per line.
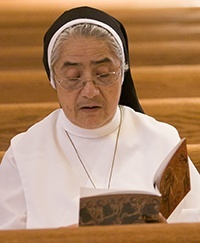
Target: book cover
x,y
108,207
173,179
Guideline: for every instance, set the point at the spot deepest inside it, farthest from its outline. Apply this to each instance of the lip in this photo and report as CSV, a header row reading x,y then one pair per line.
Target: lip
x,y
90,108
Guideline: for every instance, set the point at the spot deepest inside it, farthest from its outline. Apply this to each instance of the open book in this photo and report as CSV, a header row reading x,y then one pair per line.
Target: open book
x,y
172,182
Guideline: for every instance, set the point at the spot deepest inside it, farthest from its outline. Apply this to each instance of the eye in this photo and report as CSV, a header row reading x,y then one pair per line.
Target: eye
x,y
72,74
104,75
103,68
72,79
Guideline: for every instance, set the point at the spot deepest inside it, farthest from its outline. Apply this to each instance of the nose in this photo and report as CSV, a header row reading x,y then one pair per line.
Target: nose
x,y
89,90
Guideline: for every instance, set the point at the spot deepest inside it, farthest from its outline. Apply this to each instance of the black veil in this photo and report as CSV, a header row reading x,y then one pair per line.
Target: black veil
x,y
128,94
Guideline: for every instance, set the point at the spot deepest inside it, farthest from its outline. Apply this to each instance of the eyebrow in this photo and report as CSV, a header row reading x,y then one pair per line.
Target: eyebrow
x,y
96,62
70,64
104,60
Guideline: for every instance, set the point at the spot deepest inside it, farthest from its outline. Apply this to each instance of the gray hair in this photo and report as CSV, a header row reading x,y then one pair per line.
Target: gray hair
x,y
86,30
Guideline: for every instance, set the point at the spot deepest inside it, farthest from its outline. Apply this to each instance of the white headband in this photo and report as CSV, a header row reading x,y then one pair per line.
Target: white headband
x,y
75,22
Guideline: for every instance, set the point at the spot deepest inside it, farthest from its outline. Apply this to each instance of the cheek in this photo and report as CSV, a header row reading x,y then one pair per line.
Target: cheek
x,y
112,99
66,100
114,95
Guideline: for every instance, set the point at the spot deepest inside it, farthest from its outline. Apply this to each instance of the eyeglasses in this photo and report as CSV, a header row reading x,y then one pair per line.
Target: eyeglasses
x,y
103,79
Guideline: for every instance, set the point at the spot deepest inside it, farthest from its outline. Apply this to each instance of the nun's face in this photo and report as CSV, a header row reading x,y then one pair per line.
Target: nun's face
x,y
90,106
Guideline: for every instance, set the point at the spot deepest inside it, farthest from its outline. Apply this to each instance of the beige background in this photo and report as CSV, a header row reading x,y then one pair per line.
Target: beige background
x,y
98,3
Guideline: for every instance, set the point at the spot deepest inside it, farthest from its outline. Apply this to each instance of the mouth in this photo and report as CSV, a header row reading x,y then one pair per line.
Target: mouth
x,y
90,108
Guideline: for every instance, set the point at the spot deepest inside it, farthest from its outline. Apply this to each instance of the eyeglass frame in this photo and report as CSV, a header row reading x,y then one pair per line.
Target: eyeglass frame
x,y
82,82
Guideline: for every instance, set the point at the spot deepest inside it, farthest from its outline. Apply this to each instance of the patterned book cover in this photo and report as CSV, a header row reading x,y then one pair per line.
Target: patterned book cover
x,y
109,207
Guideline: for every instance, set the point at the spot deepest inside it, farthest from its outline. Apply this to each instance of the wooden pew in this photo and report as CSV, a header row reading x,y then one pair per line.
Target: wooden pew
x,y
193,152
21,86
16,118
26,36
139,32
184,114
1,155
125,233
167,81
141,54
153,34
19,27
165,53
169,31
44,17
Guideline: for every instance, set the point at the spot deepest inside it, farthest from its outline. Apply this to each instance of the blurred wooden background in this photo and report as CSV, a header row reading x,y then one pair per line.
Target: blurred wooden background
x,y
164,49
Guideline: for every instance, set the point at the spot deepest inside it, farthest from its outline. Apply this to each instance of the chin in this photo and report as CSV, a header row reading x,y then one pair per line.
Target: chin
x,y
93,125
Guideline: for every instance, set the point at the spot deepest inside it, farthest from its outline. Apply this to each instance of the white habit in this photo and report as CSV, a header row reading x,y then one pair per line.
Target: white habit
x,y
41,175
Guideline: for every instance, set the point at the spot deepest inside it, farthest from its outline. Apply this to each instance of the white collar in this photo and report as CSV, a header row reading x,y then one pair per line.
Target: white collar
x,y
90,133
